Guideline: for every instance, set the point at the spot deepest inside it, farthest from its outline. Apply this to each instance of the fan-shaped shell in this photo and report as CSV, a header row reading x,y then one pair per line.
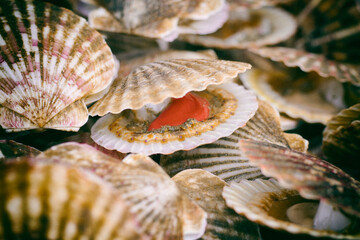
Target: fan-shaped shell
x,y
223,157
39,200
311,62
156,81
265,202
249,28
341,141
162,211
159,19
311,176
305,97
231,107
49,61
205,189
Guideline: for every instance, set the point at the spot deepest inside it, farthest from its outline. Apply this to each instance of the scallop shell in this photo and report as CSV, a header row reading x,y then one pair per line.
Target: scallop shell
x,y
301,97
162,211
311,62
12,149
156,81
249,28
237,107
265,202
341,139
48,65
205,189
311,176
159,19
223,157
39,200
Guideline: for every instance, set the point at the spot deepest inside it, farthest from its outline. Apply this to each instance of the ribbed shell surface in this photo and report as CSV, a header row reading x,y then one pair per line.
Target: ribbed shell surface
x,y
39,200
49,60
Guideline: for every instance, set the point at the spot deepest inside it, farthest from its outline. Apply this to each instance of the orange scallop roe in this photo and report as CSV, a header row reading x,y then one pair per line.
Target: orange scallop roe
x,y
180,110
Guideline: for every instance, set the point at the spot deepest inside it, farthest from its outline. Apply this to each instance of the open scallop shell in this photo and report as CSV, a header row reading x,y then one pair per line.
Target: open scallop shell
x,y
341,141
161,209
223,157
12,149
205,189
154,82
311,62
49,62
303,97
160,19
238,106
265,202
311,176
249,28
39,200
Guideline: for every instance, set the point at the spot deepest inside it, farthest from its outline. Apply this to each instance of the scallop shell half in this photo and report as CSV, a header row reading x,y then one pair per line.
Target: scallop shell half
x,y
265,202
205,189
162,211
39,200
249,28
50,60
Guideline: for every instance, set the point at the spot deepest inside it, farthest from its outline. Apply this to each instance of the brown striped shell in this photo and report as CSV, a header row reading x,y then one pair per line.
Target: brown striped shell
x,y
267,203
156,19
249,28
162,211
39,200
311,62
312,177
205,189
224,158
50,60
341,138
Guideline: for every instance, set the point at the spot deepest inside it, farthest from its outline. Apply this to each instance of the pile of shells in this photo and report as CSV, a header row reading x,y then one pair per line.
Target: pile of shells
x,y
205,119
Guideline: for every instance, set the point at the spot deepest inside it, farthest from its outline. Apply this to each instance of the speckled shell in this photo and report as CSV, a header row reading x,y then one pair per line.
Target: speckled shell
x,y
205,189
12,149
49,62
311,62
157,19
237,107
249,31
223,157
39,200
311,176
254,199
162,211
156,81
131,61
303,98
341,141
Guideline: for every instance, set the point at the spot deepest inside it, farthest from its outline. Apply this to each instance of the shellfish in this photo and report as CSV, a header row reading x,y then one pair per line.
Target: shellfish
x,y
148,89
49,62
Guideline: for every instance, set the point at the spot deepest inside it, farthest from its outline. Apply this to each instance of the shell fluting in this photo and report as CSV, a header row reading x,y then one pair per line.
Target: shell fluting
x,y
48,61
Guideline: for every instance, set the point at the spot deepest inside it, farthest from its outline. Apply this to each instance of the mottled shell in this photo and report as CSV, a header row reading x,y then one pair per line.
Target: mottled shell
x,y
39,200
341,141
158,19
205,189
265,202
223,157
156,81
311,176
249,28
12,149
311,62
50,60
162,211
308,97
